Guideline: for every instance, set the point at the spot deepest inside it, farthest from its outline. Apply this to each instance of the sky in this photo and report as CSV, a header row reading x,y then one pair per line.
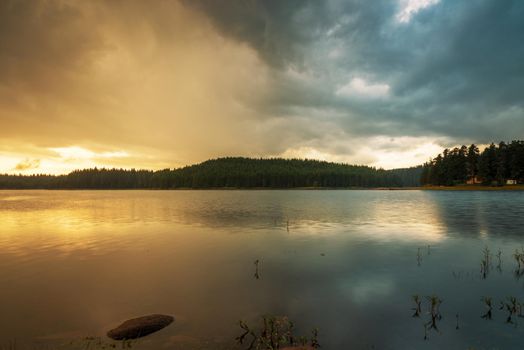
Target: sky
x,y
162,84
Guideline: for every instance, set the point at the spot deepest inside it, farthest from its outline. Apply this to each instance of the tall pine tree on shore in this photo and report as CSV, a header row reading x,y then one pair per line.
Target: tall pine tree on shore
x,y
494,166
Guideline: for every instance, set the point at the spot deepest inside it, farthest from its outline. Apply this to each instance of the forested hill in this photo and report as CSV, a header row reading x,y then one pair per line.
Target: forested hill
x,y
232,172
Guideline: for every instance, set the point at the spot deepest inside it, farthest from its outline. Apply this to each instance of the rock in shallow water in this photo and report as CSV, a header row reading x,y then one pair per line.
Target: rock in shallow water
x,y
140,327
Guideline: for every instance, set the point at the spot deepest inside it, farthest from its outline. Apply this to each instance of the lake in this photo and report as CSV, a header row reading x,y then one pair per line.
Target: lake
x,y
74,264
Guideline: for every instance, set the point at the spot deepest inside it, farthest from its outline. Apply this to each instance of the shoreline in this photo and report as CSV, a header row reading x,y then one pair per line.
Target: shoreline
x,y
474,188
419,188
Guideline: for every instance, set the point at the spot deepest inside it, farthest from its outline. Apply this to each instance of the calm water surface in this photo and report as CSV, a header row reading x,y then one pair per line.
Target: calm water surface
x,y
77,263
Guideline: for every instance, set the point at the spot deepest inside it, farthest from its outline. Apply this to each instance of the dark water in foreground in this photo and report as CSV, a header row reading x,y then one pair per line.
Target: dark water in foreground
x,y
76,263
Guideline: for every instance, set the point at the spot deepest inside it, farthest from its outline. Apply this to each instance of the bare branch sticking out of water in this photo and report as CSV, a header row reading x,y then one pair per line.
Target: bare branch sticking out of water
x,y
485,263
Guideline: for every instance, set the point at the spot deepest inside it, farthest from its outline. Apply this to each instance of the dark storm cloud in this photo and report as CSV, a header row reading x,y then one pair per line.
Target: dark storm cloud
x,y
46,52
38,35
279,30
455,69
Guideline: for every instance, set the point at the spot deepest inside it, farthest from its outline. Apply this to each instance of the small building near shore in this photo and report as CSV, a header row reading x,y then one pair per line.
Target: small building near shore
x,y
511,182
475,180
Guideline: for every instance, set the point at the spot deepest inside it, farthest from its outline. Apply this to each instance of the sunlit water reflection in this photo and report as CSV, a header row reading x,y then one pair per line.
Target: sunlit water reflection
x,y
75,263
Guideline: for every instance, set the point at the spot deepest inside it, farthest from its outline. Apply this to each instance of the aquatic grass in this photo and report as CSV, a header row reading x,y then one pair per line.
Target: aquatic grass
x,y
512,306
434,308
487,255
276,333
247,331
488,302
499,261
434,312
486,262
518,256
484,269
518,273
418,307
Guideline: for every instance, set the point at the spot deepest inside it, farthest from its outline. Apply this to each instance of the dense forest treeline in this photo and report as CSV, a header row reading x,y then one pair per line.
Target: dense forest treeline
x,y
235,172
496,165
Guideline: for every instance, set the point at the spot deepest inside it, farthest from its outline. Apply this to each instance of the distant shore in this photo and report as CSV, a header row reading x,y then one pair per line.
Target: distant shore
x,y
419,188
473,188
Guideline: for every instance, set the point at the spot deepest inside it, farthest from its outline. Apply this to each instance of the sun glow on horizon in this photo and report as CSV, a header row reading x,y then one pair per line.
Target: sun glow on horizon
x,y
75,152
62,160
388,153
